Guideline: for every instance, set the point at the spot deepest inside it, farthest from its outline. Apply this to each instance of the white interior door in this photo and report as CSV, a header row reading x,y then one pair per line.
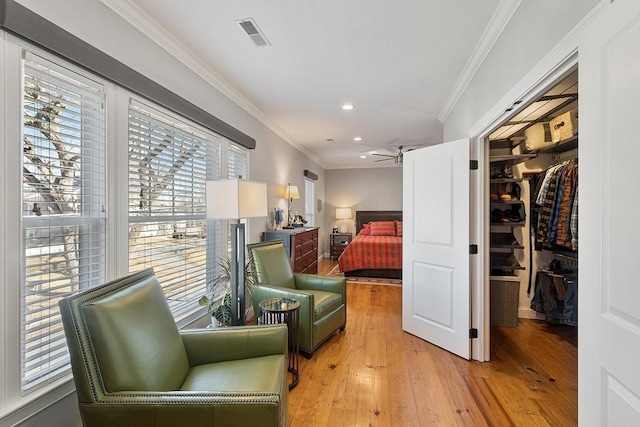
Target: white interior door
x,y
609,228
435,267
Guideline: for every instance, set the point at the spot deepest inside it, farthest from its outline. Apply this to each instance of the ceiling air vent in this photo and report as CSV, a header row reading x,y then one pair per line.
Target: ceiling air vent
x,y
251,28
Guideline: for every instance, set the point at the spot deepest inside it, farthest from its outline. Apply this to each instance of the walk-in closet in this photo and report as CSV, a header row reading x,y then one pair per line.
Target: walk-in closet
x,y
533,202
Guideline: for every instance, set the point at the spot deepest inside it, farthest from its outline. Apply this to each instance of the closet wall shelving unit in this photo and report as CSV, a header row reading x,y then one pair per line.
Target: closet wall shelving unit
x,y
502,241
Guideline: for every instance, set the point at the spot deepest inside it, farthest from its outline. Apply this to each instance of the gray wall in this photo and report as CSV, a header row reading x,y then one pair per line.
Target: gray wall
x,y
64,413
361,189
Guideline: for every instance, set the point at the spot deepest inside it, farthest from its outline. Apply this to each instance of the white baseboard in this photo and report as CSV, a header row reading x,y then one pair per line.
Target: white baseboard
x,y
527,313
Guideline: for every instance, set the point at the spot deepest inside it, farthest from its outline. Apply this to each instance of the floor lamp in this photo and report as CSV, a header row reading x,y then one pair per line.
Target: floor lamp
x,y
236,199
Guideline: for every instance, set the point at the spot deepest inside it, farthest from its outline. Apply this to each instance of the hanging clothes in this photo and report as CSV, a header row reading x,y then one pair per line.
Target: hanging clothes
x,y
557,206
556,296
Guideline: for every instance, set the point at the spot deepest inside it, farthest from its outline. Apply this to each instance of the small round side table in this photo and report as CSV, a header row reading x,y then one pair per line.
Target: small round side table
x,y
286,311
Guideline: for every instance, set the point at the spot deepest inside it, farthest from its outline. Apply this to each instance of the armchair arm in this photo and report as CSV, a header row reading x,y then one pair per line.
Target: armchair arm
x,y
233,343
263,292
320,283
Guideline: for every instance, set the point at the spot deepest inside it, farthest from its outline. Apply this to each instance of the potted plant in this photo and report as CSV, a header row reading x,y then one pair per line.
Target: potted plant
x,y
218,297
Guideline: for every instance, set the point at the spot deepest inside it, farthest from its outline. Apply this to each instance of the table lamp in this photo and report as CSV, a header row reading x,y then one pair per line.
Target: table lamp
x,y
291,193
343,213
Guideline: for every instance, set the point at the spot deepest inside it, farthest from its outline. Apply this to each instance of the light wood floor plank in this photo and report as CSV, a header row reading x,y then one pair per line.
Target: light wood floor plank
x,y
374,374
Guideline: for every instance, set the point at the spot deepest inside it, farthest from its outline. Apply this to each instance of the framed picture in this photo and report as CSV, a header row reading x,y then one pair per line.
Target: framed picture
x,y
335,230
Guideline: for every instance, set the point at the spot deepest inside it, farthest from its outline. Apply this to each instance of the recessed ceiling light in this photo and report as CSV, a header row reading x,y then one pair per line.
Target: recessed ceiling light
x,y
348,107
357,139
363,157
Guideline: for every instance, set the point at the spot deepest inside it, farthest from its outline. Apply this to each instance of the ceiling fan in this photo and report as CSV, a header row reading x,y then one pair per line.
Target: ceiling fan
x,y
397,158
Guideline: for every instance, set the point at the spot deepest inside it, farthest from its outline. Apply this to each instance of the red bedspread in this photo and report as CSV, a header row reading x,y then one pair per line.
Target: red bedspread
x,y
372,252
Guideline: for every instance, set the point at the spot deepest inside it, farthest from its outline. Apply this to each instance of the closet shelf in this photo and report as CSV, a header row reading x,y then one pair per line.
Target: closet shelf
x,y
504,261
507,224
504,180
507,202
511,159
504,241
562,146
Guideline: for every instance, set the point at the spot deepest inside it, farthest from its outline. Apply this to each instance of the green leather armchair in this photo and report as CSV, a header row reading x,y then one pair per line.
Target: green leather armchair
x,y
133,367
323,300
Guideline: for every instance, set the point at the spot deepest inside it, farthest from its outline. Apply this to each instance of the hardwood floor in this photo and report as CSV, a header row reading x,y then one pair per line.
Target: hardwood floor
x,y
374,374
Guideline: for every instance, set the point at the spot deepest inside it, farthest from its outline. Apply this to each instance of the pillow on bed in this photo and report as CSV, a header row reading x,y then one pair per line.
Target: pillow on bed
x,y
366,230
399,228
383,228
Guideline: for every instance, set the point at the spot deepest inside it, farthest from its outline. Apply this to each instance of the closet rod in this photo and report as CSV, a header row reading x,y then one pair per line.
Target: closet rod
x,y
567,155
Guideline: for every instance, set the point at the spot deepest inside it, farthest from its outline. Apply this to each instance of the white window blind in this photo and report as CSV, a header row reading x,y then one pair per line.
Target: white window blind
x,y
237,167
237,162
309,201
169,162
63,208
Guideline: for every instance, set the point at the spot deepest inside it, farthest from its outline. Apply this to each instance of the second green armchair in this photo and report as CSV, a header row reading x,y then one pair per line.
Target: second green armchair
x,y
323,300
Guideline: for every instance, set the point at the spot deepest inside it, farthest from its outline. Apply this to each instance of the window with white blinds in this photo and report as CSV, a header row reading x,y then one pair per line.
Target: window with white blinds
x,y
63,208
169,162
309,201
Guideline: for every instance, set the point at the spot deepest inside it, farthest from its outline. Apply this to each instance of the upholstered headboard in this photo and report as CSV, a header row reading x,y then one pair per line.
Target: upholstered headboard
x,y
364,217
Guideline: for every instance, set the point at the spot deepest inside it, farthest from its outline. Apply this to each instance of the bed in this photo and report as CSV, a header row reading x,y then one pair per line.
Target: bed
x,y
377,255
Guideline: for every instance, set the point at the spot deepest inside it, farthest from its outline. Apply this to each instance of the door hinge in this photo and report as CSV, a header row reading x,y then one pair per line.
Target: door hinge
x,y
473,333
473,249
473,165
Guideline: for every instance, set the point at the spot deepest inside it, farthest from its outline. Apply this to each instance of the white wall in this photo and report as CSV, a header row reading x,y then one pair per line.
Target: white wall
x,y
535,28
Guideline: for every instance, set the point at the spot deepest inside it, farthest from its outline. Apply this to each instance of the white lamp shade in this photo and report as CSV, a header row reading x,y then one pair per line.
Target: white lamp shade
x,y
343,213
235,199
292,192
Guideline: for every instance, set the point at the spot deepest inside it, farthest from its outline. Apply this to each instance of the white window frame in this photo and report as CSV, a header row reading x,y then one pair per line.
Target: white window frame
x,y
310,202
83,136
16,405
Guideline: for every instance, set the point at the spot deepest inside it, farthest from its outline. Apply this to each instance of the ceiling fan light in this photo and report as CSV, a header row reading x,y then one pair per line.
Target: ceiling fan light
x,y
357,139
348,107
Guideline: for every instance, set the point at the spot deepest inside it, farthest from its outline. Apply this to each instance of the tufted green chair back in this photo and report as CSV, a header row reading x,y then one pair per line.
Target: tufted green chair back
x,y
129,332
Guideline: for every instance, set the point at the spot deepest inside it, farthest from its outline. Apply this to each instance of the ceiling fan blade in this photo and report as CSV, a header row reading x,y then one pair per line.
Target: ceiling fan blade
x,y
383,155
384,160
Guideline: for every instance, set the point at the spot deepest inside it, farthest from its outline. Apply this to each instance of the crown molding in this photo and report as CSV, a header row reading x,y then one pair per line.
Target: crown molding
x,y
146,25
492,32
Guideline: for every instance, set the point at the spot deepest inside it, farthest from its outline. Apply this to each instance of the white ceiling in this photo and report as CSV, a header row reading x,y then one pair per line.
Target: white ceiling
x,y
402,63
